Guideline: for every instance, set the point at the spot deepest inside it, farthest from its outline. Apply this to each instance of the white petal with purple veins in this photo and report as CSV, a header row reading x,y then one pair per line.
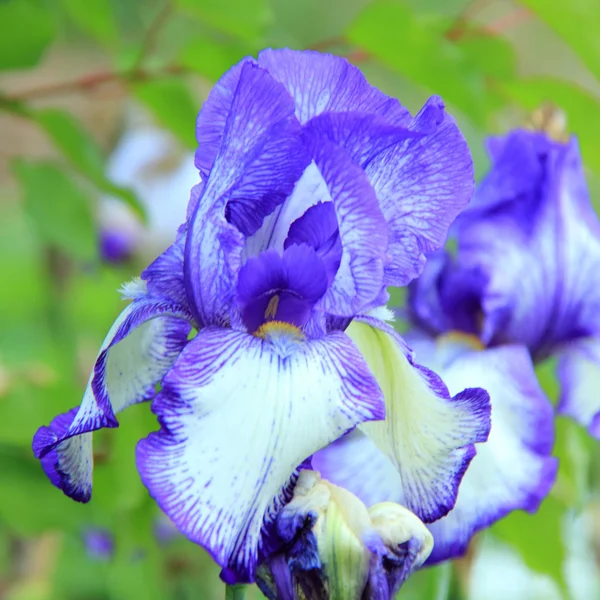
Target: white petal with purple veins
x,y
139,349
238,415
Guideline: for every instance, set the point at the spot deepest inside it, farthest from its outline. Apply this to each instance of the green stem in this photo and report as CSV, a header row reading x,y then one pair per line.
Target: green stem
x,y
235,592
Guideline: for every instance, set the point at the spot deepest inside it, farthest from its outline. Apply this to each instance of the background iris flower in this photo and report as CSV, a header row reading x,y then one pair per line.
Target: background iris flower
x,y
317,192
534,238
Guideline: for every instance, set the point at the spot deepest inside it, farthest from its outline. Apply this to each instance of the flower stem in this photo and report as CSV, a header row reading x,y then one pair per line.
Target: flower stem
x,y
235,592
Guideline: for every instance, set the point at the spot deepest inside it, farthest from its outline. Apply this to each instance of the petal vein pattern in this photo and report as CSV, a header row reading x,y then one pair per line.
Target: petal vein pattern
x,y
237,419
428,435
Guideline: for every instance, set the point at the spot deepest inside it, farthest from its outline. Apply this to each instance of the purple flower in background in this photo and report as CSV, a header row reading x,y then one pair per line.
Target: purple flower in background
x,y
533,235
318,191
99,543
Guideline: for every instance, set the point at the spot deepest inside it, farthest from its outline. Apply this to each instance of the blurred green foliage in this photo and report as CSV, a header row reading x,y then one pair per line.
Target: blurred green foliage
x,y
58,298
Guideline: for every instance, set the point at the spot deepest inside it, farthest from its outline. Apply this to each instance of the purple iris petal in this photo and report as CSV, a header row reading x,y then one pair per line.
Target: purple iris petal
x,y
213,117
164,276
513,469
274,287
47,435
359,279
446,297
362,136
532,231
325,83
318,228
259,160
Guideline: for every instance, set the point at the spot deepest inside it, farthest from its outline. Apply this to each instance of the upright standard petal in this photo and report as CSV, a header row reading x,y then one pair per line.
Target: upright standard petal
x,y
318,227
325,83
428,435
238,415
213,117
139,349
579,375
260,158
532,230
359,278
514,468
422,185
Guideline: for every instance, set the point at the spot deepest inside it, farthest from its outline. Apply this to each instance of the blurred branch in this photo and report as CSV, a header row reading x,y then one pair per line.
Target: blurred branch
x,y
93,80
462,25
89,82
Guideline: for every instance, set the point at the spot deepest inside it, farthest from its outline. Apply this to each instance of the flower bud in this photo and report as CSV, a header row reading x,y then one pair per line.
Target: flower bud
x,y
332,547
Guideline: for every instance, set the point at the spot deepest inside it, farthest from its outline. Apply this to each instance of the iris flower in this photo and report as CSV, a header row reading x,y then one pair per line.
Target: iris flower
x,y
533,234
317,192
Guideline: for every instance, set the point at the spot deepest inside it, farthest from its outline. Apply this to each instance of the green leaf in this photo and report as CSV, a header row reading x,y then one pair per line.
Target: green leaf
x,y
211,59
537,537
60,210
80,148
173,106
26,30
580,108
415,46
244,19
311,21
117,485
95,17
492,56
577,22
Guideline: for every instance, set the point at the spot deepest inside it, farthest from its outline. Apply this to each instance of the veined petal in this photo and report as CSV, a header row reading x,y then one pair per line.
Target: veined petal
x,y
362,135
222,462
139,349
579,375
359,278
326,83
422,185
260,158
428,435
213,117
513,469
540,226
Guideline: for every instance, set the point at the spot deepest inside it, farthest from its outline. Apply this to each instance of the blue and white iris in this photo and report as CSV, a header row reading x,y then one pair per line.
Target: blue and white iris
x,y
318,192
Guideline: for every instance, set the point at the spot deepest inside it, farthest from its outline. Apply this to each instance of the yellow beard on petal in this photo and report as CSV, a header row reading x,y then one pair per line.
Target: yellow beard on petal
x,y
467,340
284,338
272,330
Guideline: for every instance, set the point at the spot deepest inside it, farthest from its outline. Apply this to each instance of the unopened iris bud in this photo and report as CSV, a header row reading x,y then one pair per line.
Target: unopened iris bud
x,y
333,547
